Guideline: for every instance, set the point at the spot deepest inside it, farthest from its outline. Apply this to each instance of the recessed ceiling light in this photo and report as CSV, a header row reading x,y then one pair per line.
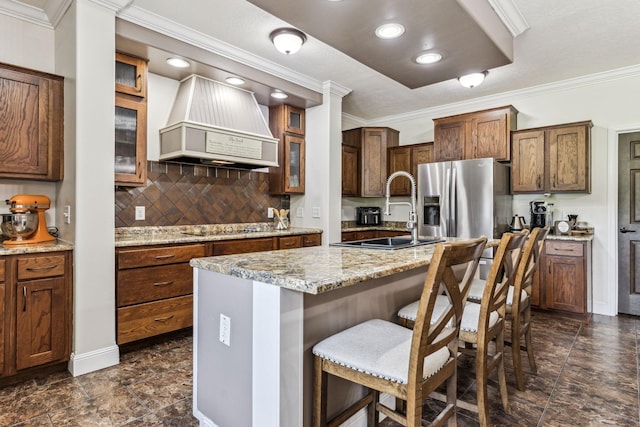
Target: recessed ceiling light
x,y
389,31
278,94
473,79
236,81
178,62
428,58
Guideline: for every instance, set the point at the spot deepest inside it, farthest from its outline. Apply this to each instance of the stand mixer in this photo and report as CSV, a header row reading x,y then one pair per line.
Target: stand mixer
x,y
36,205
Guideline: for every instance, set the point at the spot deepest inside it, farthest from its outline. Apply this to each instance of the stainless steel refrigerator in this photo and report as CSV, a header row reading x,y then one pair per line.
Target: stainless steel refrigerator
x,y
465,198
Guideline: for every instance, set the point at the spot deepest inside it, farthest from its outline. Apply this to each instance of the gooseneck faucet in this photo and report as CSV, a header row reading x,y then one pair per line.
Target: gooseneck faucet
x,y
413,214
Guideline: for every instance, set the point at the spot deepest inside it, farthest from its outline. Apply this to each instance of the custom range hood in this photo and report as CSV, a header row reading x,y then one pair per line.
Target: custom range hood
x,y
212,123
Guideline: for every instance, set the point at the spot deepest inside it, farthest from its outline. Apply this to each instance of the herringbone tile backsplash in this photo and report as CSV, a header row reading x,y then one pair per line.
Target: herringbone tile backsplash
x,y
178,194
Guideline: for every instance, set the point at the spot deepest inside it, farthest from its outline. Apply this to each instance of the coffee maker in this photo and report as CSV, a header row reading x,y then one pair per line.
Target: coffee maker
x,y
538,210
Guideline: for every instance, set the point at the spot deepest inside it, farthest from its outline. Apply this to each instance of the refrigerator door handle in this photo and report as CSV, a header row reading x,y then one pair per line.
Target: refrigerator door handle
x,y
453,230
446,214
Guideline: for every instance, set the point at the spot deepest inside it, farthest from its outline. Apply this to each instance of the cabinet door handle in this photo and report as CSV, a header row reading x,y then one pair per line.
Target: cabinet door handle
x,y
538,182
163,319
24,299
626,230
168,282
289,243
47,267
164,256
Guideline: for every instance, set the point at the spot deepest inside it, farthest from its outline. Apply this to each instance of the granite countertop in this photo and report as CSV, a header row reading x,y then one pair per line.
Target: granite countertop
x,y
137,236
319,269
575,237
58,245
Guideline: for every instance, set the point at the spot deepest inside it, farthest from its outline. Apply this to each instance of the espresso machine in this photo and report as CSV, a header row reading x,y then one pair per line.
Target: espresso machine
x,y
32,205
538,210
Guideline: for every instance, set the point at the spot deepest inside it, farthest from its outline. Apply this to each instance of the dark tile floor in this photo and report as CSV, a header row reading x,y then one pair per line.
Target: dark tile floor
x,y
587,376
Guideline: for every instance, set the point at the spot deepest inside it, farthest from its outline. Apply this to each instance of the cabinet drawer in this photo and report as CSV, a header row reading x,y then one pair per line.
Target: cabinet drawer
x,y
42,266
290,242
1,273
138,285
563,248
158,256
311,240
154,318
243,246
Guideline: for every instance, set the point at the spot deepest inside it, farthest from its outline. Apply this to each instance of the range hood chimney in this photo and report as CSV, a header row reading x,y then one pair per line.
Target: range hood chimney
x,y
212,123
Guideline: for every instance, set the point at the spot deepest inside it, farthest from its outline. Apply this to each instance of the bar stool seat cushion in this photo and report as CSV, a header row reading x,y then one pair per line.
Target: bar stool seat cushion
x,y
377,348
477,288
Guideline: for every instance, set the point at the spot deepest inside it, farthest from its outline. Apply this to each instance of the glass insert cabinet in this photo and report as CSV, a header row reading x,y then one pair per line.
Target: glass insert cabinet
x,y
287,124
130,163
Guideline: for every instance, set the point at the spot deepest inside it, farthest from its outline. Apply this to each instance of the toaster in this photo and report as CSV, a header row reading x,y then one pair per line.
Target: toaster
x,y
368,216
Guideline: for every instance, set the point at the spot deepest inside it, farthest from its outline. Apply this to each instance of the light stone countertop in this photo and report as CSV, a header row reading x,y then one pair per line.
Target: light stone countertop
x,y
575,238
319,269
58,245
139,236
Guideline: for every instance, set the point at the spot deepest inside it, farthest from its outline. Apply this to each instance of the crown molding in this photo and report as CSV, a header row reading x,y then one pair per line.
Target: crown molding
x,y
162,25
510,16
114,5
25,12
55,10
507,97
333,88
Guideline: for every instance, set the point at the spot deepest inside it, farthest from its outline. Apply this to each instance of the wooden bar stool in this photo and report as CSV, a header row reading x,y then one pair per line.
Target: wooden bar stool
x,y
519,309
407,364
483,323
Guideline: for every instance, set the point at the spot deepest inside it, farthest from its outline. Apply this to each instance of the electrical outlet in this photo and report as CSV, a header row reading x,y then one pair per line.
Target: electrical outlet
x,y
269,212
315,212
225,330
140,213
300,212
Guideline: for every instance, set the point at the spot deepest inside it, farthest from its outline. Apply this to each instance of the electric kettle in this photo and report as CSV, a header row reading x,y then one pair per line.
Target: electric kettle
x,y
517,223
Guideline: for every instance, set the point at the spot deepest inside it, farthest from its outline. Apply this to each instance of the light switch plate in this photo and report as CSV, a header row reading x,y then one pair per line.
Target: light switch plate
x,y
315,212
300,212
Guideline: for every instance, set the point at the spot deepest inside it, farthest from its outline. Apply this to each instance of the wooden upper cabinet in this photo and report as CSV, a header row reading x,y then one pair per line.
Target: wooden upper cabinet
x,y
475,135
349,171
372,144
407,158
527,161
287,123
569,158
31,124
130,121
130,141
553,159
131,75
450,135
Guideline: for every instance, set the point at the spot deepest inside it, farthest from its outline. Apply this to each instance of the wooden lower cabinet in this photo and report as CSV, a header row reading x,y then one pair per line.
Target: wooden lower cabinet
x,y
154,290
35,297
348,236
154,284
563,281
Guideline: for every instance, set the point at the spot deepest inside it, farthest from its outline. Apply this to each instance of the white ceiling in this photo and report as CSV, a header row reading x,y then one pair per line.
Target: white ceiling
x,y
565,40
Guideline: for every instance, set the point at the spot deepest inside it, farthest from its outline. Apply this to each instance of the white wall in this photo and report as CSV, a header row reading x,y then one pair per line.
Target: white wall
x,y
20,40
604,99
161,94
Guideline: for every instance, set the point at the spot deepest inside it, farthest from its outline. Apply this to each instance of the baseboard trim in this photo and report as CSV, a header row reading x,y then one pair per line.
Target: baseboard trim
x,y
84,363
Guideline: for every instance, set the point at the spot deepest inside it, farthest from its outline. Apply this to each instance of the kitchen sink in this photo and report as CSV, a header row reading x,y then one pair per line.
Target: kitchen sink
x,y
387,243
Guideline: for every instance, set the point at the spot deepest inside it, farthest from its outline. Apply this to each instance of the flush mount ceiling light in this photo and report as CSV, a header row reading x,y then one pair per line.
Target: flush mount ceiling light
x,y
428,58
473,79
236,81
278,94
287,40
178,62
390,31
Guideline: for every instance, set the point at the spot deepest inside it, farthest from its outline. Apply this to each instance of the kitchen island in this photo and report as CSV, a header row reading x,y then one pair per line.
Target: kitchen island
x,y
257,316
